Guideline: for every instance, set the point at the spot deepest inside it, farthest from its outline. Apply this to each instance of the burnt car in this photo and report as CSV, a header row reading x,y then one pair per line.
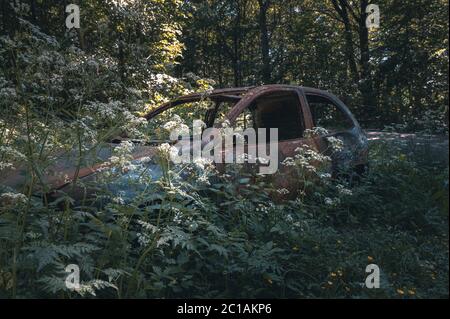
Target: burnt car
x,y
293,110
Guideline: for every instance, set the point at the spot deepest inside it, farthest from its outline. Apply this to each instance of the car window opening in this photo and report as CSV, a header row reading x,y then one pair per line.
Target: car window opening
x,y
281,111
327,114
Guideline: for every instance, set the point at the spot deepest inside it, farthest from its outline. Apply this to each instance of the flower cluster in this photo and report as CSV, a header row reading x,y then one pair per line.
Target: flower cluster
x,y
122,157
307,159
12,199
9,155
176,124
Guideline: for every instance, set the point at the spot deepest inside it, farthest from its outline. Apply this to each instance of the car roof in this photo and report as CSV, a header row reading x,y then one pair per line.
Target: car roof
x,y
243,90
229,94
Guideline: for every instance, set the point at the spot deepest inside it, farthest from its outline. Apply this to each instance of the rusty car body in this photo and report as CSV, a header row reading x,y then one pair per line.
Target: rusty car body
x,y
291,109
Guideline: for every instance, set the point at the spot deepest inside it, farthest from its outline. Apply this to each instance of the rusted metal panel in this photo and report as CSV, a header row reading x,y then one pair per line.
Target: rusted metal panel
x,y
64,170
215,95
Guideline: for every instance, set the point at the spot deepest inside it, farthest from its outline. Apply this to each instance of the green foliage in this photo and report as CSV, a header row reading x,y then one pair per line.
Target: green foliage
x,y
161,231
187,236
393,74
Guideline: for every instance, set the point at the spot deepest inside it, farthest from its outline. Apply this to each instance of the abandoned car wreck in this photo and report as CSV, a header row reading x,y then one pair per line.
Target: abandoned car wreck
x,y
292,110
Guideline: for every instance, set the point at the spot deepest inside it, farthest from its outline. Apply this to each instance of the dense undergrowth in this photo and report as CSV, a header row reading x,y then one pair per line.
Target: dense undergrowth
x,y
189,237
191,233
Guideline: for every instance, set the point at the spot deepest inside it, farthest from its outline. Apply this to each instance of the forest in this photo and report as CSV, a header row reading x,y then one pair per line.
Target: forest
x,y
68,92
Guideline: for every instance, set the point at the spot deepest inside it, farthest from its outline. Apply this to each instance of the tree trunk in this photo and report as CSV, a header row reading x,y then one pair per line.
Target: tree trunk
x,y
361,71
33,11
366,84
341,9
237,65
265,46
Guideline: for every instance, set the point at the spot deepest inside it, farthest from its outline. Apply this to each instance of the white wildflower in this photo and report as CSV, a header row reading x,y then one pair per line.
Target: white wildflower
x,y
163,241
332,202
325,175
148,226
336,144
176,125
10,199
143,239
8,151
288,161
201,162
164,150
4,165
344,191
283,191
316,131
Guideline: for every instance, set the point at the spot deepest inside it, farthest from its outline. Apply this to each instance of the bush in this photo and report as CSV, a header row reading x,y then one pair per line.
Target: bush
x,y
185,236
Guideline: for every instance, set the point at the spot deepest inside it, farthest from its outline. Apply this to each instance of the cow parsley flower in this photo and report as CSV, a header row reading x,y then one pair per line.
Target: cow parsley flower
x,y
316,131
201,162
288,161
336,144
332,202
11,199
344,191
283,191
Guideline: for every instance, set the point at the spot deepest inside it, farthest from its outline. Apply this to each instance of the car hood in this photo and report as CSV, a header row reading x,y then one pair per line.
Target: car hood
x,y
66,166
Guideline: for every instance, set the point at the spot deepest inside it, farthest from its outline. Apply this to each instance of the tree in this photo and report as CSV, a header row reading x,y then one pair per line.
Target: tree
x,y
264,6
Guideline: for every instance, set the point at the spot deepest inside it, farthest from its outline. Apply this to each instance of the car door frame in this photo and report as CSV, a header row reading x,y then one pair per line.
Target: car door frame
x,y
286,148
358,152
335,101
